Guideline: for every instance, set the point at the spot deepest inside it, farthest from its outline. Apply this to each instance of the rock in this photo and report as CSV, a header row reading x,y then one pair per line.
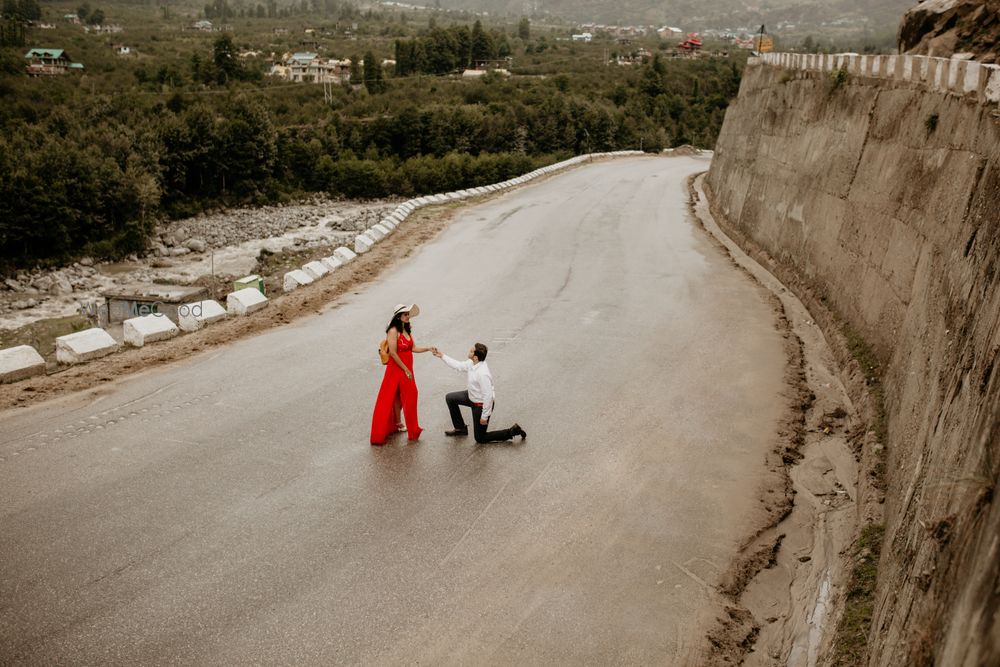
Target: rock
x,y
87,261
195,245
177,252
45,283
161,263
939,27
13,284
62,287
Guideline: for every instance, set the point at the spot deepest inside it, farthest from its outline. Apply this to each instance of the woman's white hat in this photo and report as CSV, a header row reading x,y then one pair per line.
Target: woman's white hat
x,y
413,309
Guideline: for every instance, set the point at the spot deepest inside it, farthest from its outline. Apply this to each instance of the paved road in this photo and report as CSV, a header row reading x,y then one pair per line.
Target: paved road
x,y
229,510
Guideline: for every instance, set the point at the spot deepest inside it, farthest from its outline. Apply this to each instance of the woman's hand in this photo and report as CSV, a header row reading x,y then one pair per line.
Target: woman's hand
x,y
409,375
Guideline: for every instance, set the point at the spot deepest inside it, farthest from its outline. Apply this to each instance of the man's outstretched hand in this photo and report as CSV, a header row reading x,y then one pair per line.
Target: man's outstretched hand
x,y
436,352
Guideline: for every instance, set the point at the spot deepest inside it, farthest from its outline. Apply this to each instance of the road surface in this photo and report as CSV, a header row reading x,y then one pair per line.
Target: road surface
x,y
229,509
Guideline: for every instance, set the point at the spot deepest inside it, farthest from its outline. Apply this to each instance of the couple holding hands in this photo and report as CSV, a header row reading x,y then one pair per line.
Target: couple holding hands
x,y
398,392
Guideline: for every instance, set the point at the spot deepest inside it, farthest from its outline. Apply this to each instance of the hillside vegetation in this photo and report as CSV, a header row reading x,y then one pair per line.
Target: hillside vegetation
x,y
88,162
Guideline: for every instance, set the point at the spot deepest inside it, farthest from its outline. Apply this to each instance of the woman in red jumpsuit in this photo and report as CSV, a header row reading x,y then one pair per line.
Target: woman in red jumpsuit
x,y
399,388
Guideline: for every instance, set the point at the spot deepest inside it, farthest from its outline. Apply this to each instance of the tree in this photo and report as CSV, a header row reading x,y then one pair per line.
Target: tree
x,y
83,11
374,81
481,46
524,29
29,10
355,69
96,17
224,57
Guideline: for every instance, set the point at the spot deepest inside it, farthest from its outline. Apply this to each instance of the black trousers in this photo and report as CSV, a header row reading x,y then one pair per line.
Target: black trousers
x,y
458,398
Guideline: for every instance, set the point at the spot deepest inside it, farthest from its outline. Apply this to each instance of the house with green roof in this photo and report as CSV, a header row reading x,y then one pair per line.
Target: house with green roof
x,y
44,62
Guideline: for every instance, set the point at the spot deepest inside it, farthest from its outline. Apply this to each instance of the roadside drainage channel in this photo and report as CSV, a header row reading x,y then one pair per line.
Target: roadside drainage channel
x,y
793,600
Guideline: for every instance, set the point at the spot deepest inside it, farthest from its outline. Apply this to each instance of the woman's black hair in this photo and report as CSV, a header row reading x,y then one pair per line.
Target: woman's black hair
x,y
397,322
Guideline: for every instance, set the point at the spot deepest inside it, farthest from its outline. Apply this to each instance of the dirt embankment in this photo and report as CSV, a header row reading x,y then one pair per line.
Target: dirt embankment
x,y
879,204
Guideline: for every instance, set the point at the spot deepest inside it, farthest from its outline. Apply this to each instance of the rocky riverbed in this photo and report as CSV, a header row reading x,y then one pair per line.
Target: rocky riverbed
x,y
226,243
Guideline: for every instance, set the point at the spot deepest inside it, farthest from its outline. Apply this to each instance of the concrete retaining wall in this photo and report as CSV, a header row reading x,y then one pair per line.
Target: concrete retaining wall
x,y
879,198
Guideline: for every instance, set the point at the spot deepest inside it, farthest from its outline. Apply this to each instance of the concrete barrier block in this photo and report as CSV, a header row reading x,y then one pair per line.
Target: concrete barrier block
x,y
85,345
406,208
245,301
345,255
19,363
381,229
296,279
363,243
956,75
377,234
194,316
389,223
989,82
970,83
148,329
316,269
332,262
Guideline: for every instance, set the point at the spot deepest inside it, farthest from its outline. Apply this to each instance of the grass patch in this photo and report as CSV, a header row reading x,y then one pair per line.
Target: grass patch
x,y
272,266
840,78
872,369
850,645
931,123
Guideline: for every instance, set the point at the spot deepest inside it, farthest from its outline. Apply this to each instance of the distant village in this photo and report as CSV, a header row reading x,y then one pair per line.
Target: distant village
x,y
311,67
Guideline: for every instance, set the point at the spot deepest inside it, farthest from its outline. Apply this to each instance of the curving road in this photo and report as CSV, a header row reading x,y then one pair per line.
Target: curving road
x,y
229,510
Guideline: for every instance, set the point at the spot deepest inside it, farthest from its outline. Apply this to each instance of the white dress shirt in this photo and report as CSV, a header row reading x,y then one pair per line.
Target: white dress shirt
x,y
479,381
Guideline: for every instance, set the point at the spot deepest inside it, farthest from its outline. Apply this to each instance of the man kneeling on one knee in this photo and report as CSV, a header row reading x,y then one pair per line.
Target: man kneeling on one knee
x,y
479,396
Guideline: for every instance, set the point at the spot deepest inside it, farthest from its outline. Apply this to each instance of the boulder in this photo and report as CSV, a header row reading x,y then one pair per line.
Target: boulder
x,y
195,245
941,28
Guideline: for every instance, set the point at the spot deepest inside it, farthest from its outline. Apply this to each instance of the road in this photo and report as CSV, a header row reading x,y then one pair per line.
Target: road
x,y
228,509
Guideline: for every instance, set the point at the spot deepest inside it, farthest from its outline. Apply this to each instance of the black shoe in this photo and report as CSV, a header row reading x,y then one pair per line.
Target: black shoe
x,y
517,430
457,431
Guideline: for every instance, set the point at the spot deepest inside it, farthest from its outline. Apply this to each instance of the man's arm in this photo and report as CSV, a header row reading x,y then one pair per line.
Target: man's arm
x,y
487,383
457,365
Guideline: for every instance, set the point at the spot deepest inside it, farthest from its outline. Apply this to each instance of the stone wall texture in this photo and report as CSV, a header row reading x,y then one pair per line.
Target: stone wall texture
x,y
878,189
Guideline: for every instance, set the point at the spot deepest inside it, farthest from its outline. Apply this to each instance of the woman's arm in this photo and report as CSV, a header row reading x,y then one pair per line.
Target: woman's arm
x,y
422,349
392,336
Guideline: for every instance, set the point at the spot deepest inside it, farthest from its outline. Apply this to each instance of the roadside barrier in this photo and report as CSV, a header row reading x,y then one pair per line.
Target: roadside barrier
x,y
949,75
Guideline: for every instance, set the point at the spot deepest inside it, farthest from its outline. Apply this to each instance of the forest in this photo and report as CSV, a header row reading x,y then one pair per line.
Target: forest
x,y
89,163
